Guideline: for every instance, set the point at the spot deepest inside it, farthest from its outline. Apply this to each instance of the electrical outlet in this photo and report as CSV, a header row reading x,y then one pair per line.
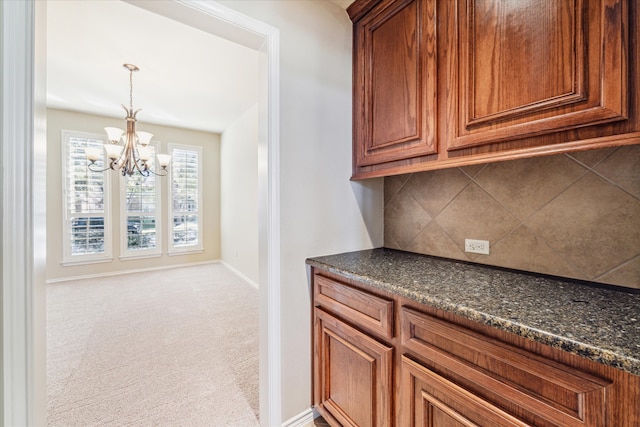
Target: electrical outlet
x,y
476,246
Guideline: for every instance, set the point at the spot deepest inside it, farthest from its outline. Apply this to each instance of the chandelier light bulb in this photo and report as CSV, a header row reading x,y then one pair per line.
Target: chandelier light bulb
x,y
144,153
93,154
144,138
163,160
114,134
113,151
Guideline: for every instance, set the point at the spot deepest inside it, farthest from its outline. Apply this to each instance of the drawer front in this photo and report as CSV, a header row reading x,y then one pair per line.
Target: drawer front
x,y
431,400
534,389
371,312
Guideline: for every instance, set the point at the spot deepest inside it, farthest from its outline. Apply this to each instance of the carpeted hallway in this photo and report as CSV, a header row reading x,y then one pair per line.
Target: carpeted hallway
x,y
175,347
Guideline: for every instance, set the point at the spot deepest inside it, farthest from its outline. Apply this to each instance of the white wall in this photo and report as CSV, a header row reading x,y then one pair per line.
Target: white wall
x,y
239,194
322,211
57,120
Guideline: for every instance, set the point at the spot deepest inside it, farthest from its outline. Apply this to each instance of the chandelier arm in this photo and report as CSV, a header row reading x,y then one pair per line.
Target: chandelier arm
x,y
96,170
137,162
113,164
135,155
166,172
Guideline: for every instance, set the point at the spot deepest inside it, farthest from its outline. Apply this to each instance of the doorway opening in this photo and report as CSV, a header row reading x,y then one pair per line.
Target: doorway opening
x,y
24,308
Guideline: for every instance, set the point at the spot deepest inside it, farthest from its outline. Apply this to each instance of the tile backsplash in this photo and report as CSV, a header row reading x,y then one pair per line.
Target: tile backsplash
x,y
573,215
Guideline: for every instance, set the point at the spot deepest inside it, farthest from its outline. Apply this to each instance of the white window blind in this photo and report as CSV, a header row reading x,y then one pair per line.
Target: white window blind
x,y
186,198
140,217
86,207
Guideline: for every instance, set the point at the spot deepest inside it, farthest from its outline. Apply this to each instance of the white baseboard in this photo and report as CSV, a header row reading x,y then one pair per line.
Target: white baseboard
x,y
239,273
137,270
303,419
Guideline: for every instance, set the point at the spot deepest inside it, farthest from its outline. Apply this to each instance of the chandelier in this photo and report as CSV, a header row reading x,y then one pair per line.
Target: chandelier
x,y
128,151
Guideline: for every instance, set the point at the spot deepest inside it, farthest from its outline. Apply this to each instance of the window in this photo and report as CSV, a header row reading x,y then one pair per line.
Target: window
x,y
185,201
140,204
86,236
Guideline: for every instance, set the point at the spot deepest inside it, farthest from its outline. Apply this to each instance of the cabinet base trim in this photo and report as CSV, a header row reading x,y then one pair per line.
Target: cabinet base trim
x,y
302,419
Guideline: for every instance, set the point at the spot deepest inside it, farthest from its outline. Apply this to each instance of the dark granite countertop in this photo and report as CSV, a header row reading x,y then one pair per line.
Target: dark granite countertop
x,y
595,322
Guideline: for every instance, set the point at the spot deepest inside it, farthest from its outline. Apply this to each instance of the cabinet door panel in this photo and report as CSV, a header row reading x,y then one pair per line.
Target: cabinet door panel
x,y
352,374
395,82
531,67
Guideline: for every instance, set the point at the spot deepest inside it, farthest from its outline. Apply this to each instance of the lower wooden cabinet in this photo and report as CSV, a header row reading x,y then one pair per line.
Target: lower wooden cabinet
x,y
353,374
385,360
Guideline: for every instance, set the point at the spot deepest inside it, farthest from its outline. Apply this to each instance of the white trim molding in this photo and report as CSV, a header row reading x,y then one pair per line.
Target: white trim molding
x,y
240,274
133,270
23,261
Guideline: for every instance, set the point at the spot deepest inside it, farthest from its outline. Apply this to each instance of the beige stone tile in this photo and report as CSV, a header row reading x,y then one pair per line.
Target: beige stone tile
x,y
432,240
593,225
404,219
523,250
627,274
434,190
591,157
392,185
475,215
623,168
524,186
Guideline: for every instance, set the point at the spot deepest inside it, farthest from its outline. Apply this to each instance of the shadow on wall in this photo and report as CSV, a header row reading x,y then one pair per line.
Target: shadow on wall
x,y
367,195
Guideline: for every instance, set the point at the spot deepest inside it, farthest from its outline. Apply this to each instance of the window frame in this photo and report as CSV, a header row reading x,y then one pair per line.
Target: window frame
x,y
184,249
67,257
125,252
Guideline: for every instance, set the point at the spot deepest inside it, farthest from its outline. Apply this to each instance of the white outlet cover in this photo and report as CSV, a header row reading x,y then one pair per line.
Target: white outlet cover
x,y
476,246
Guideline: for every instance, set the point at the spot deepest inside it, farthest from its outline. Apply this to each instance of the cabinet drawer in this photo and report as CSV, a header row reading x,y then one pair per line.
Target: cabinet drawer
x,y
371,312
532,388
434,401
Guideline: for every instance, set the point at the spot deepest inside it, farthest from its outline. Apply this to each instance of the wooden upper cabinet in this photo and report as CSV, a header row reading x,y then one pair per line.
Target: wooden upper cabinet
x,y
440,84
395,78
532,67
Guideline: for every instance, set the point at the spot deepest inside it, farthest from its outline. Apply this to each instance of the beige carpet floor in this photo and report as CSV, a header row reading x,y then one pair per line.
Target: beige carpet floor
x,y
174,347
